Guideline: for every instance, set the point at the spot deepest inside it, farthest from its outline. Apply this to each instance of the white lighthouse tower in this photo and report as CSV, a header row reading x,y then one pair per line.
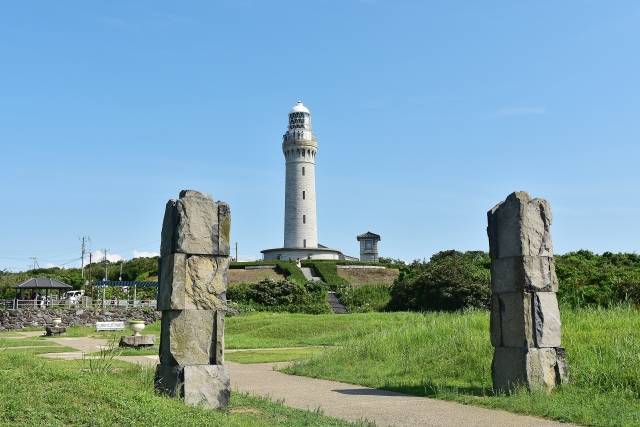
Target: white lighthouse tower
x,y
300,147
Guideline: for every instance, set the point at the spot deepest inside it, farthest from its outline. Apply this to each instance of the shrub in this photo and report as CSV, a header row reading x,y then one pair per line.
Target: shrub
x,y
451,280
269,295
588,279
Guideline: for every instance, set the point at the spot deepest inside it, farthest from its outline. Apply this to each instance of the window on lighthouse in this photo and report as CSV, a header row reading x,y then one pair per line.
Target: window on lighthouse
x,y
303,171
304,219
303,194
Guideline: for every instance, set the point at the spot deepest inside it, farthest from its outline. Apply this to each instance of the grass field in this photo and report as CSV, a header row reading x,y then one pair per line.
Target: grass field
x,y
35,391
448,356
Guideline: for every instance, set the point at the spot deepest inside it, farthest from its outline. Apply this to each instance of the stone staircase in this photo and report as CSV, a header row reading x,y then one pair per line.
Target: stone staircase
x,y
310,274
336,305
334,302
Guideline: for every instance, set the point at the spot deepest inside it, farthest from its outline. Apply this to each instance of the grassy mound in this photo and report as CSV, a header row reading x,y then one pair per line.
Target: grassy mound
x,y
448,356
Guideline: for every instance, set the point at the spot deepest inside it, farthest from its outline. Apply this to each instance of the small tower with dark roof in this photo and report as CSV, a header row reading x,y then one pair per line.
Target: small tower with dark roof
x,y
369,246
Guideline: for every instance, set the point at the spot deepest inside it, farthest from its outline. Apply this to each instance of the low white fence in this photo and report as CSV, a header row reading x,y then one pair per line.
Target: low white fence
x,y
52,303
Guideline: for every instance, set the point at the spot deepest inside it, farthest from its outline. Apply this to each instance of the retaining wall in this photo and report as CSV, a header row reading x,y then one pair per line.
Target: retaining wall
x,y
20,318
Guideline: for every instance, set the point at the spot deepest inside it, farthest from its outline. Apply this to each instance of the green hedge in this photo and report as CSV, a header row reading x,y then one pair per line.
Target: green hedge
x,y
268,295
451,280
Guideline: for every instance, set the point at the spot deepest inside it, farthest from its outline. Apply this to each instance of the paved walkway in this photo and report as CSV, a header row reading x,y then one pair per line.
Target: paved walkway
x,y
336,399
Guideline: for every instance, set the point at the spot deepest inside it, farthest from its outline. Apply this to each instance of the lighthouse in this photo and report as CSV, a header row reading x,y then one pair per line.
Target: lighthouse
x,y
300,148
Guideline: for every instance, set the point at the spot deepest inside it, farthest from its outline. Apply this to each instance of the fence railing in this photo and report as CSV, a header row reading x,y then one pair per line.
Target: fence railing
x,y
52,303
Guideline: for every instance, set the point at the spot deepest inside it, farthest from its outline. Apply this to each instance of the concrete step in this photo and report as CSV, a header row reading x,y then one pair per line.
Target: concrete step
x,y
336,305
310,274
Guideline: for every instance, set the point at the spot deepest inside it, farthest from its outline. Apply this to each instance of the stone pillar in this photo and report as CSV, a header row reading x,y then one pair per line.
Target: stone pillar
x,y
194,259
525,319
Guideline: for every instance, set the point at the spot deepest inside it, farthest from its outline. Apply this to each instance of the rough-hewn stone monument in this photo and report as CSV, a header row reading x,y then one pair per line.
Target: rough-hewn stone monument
x,y
525,319
194,259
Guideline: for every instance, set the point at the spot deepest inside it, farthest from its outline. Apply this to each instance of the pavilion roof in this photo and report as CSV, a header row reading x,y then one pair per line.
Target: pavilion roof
x,y
42,283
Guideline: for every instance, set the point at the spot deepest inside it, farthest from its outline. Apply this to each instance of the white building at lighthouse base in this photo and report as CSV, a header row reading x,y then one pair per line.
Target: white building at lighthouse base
x,y
320,252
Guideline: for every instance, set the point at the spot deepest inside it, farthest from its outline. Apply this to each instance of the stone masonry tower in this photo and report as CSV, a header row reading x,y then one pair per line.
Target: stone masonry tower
x,y
299,146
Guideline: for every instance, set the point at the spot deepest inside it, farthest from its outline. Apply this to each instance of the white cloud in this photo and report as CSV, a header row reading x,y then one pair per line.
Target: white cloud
x,y
520,111
98,256
145,254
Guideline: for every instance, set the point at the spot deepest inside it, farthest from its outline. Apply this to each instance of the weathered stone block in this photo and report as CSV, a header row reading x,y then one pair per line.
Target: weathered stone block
x,y
189,337
191,225
523,274
207,385
511,320
542,369
495,327
546,319
520,226
54,330
219,330
533,368
169,380
224,228
525,320
562,365
192,282
136,341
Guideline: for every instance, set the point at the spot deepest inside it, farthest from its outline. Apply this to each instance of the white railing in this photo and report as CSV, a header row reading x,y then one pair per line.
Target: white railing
x,y
127,303
42,303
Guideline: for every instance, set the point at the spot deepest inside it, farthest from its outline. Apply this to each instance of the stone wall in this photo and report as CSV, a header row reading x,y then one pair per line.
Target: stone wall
x,y
21,318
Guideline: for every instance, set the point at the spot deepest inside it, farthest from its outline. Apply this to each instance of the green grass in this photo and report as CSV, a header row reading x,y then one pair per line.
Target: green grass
x,y
448,356
145,351
270,356
19,342
327,272
364,298
35,391
52,348
260,330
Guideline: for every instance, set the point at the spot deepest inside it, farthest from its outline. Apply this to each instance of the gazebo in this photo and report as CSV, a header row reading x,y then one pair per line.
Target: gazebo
x,y
39,284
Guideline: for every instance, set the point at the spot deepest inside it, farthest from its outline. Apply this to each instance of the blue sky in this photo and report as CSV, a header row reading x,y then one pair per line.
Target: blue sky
x,y
427,114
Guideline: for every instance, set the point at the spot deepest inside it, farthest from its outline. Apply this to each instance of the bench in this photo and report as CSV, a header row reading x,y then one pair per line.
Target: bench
x,y
109,326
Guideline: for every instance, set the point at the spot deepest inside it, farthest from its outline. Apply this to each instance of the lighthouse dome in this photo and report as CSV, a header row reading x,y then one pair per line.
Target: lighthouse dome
x,y
299,108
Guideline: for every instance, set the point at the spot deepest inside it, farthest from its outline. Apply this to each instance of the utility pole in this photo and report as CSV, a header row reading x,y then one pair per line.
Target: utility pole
x,y
35,262
92,286
120,276
106,269
236,251
106,276
83,248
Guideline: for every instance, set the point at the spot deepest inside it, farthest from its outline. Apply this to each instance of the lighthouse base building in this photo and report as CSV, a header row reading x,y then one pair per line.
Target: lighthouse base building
x,y
299,146
303,253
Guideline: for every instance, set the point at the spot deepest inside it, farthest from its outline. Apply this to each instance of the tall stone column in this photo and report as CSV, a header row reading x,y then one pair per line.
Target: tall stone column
x,y
194,259
525,319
